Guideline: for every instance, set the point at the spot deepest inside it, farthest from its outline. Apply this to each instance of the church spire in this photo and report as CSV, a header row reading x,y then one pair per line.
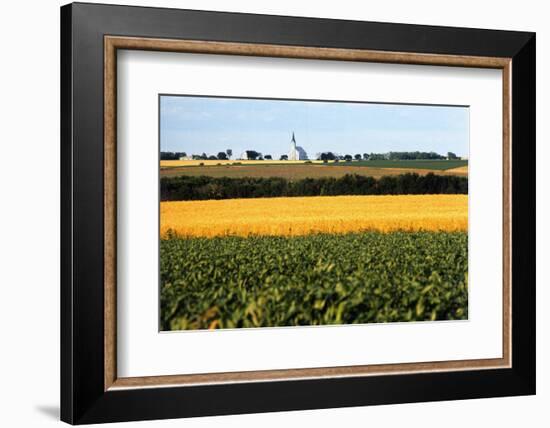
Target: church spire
x,y
293,154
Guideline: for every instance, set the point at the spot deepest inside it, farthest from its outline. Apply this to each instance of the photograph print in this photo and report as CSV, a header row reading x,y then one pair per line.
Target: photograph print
x,y
285,213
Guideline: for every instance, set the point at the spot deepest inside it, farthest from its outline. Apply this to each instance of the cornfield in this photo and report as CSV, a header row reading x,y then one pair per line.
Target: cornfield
x,y
232,282
299,216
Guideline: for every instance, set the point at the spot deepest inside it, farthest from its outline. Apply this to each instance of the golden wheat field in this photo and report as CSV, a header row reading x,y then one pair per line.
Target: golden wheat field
x,y
319,214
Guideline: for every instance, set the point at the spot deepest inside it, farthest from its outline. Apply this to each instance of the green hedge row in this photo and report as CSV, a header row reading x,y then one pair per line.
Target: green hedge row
x,y
203,187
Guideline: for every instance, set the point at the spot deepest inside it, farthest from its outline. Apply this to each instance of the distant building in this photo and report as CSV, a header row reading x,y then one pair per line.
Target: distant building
x,y
186,157
251,155
296,152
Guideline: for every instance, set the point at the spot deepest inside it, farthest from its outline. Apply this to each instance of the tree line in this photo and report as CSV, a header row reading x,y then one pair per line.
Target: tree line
x,y
330,156
172,155
204,187
178,155
325,156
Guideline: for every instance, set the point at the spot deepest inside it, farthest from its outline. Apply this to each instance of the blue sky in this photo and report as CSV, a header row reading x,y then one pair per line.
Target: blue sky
x,y
202,124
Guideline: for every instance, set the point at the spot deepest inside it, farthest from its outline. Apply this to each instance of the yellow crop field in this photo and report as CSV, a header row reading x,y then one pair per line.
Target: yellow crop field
x,y
291,216
180,163
461,170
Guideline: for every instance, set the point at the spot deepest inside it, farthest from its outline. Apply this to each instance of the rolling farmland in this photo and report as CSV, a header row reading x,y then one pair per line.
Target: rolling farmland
x,y
440,165
267,243
315,169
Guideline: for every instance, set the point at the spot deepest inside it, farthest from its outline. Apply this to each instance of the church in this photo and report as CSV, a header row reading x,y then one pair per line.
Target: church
x,y
296,152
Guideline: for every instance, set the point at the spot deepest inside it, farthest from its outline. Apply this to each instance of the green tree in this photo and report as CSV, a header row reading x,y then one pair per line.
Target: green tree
x,y
451,156
326,156
172,155
253,154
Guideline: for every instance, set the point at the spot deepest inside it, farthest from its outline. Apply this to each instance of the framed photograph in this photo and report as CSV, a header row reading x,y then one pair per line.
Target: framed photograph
x,y
266,213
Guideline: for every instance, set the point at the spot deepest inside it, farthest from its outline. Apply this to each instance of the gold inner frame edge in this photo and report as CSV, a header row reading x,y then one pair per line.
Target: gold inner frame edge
x,y
113,43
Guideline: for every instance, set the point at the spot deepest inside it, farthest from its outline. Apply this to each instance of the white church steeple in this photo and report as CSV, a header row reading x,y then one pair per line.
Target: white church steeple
x,y
293,153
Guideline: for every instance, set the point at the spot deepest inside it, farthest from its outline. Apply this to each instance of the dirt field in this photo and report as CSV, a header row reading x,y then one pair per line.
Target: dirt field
x,y
297,171
461,170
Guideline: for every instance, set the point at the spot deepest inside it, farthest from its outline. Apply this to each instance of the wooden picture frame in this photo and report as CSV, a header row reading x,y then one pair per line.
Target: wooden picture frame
x,y
91,390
